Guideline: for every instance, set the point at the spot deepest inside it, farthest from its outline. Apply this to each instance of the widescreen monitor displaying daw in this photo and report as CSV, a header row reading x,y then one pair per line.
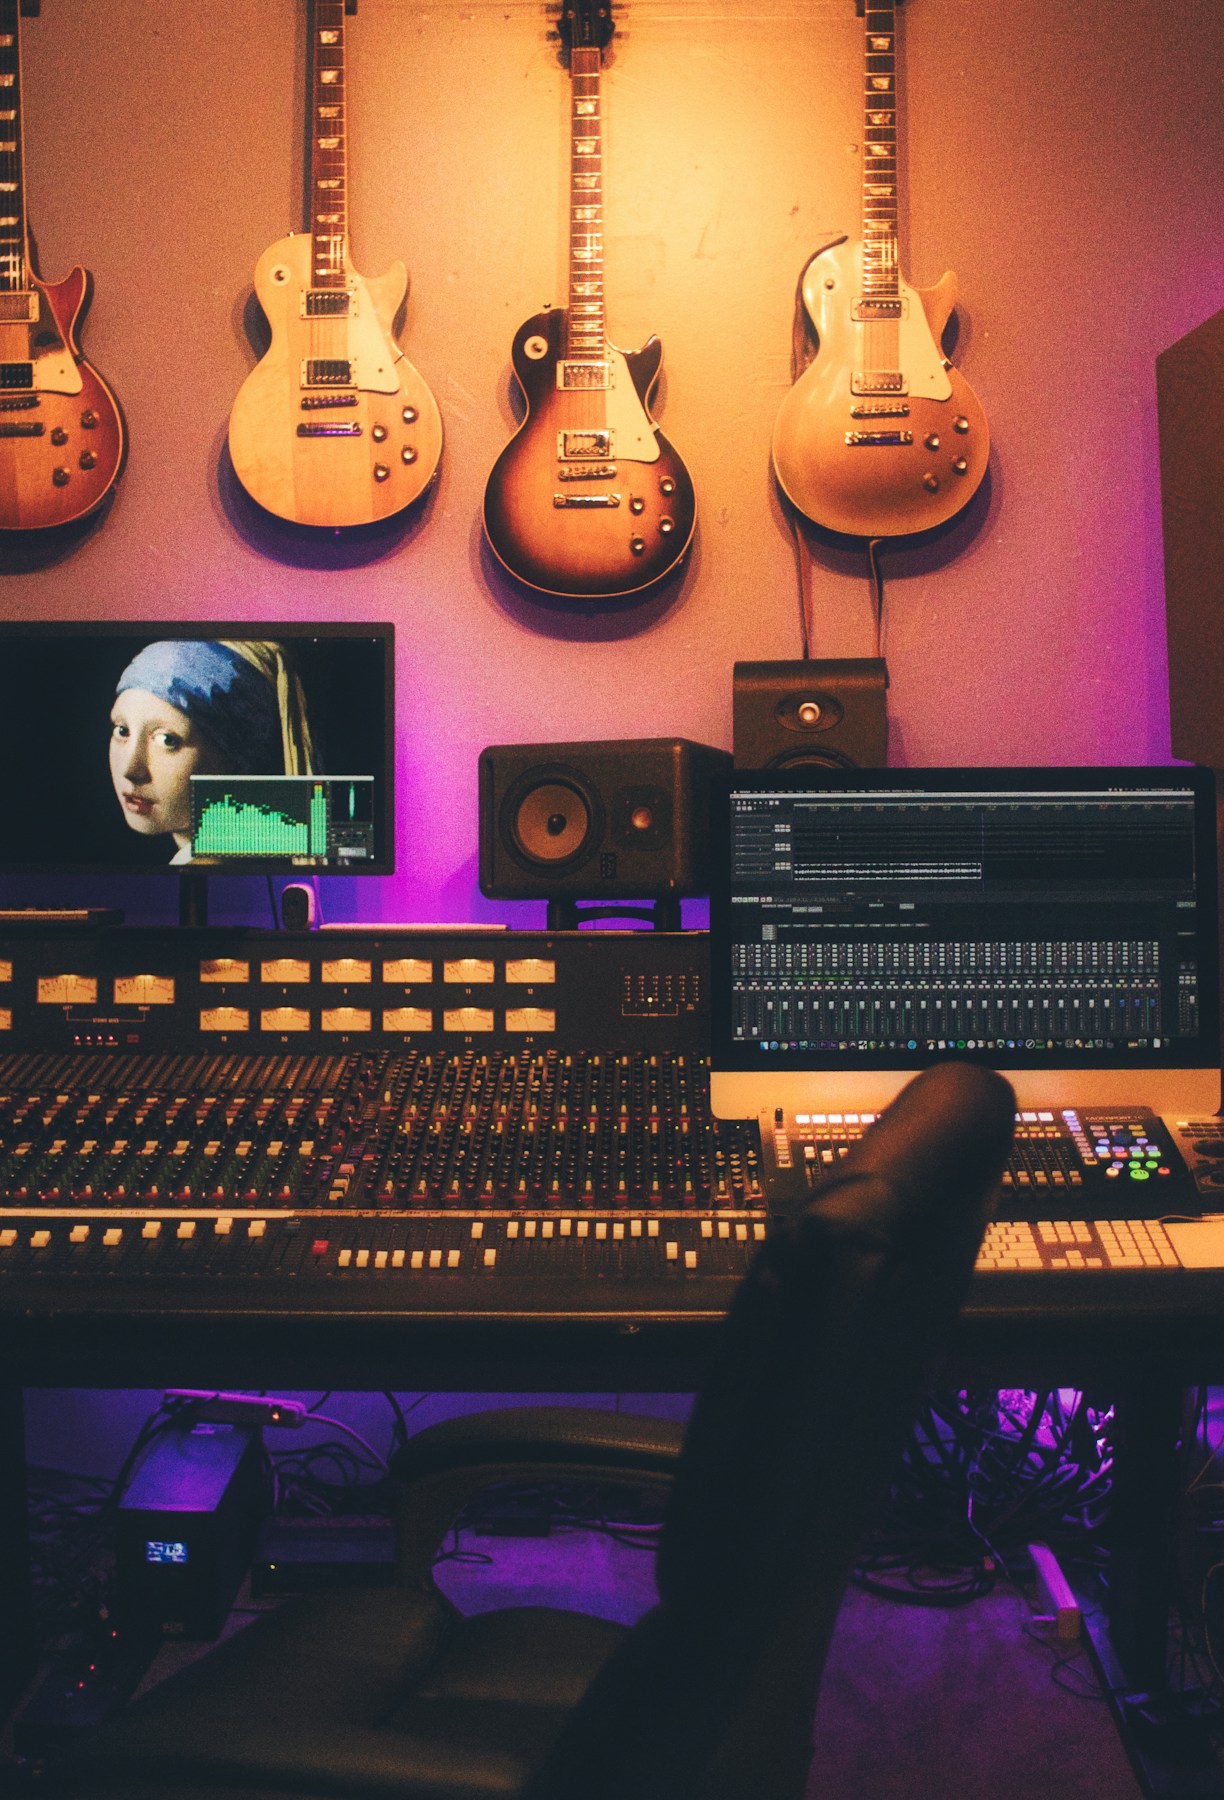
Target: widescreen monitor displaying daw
x,y
1025,918
223,747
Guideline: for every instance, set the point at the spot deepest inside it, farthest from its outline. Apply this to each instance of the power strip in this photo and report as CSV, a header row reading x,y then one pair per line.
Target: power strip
x,y
216,1408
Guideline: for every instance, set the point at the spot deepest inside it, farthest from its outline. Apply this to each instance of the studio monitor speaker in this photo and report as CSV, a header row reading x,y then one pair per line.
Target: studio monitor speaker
x,y
830,714
1190,405
617,819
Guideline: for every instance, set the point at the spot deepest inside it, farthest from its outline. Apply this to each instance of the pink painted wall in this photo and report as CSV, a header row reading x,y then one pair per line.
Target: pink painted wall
x,y
1067,161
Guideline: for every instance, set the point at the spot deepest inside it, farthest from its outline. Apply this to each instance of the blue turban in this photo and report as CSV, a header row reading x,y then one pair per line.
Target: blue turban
x,y
221,692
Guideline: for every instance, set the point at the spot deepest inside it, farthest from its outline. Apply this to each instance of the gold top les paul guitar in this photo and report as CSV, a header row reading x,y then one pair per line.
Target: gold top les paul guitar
x,y
62,441
588,501
880,436
333,426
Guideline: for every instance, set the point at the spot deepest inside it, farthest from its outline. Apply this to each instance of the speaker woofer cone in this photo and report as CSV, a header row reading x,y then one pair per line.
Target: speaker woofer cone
x,y
548,821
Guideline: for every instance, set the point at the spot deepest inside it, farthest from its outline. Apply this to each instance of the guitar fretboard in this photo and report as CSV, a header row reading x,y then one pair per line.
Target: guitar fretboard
x,y
13,274
585,319
328,148
880,270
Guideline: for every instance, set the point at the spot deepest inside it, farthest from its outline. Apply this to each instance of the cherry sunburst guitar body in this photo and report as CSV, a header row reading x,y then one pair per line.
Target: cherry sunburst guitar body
x,y
62,438
62,441
880,436
588,500
333,426
874,463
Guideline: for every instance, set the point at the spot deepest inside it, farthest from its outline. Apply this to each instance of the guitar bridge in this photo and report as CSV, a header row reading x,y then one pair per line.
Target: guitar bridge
x,y
587,472
336,430
312,402
880,409
10,428
586,500
327,371
18,402
870,438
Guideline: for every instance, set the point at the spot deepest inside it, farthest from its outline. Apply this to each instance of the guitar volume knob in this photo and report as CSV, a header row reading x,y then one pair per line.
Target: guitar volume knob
x,y
408,454
637,545
667,525
381,472
409,415
59,476
667,485
378,433
961,424
59,435
637,504
89,418
88,460
931,440
930,482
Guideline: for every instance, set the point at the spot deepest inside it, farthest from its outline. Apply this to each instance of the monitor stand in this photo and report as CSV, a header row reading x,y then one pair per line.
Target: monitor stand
x,y
193,897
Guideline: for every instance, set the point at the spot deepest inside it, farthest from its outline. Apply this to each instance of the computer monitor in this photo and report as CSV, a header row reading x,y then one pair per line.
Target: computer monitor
x,y
1057,924
217,748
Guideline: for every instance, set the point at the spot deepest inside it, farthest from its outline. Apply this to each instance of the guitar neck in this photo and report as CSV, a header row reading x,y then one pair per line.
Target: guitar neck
x,y
585,329
880,258
328,147
14,257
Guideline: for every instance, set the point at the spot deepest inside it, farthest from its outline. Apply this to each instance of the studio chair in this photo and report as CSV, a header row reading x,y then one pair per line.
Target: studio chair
x,y
388,1692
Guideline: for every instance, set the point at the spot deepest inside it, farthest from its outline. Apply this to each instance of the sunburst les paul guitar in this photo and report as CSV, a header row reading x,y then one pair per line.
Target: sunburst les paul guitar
x,y
62,440
588,501
880,436
334,426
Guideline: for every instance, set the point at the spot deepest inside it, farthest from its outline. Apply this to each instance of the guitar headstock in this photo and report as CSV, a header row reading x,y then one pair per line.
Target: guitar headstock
x,y
586,24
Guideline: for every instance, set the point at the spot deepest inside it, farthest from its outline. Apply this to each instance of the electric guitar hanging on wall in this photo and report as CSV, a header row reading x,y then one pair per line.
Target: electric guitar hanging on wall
x,y
334,426
588,501
62,441
880,436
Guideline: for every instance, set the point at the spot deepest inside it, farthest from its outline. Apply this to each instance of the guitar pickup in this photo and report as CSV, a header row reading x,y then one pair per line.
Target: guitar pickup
x,y
884,438
327,371
582,375
586,499
312,402
587,472
573,444
880,409
327,303
878,381
328,430
866,310
16,375
20,308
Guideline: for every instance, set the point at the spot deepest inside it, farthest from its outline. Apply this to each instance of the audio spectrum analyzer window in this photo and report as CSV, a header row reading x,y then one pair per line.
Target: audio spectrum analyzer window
x,y
900,919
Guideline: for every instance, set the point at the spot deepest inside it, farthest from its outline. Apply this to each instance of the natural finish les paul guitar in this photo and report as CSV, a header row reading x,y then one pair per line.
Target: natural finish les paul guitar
x,y
334,426
880,436
62,441
588,501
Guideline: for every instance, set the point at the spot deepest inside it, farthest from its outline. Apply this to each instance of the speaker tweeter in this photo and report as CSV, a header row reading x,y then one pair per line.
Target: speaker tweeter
x,y
828,714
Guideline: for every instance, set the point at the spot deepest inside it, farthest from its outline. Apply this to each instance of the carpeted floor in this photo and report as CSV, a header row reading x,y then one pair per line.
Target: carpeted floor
x,y
918,1703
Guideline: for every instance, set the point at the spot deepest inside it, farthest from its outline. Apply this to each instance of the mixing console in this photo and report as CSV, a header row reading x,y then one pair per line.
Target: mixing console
x,y
386,1131
449,1122
1064,1164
